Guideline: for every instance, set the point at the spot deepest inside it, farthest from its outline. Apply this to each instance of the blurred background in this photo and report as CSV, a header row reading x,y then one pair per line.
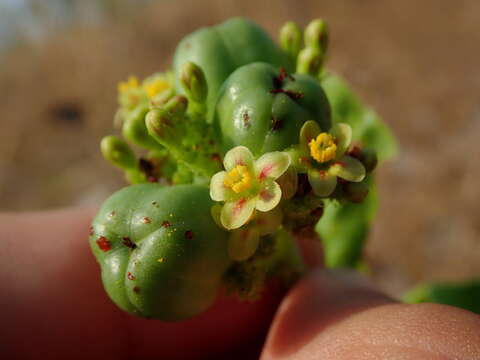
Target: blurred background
x,y
415,62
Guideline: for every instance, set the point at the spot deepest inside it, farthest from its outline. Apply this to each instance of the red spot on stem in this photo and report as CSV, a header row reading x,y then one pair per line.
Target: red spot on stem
x,y
130,276
103,243
146,220
136,289
166,224
128,243
189,234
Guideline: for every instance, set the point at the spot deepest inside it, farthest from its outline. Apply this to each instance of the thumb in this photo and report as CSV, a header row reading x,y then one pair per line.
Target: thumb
x,y
337,315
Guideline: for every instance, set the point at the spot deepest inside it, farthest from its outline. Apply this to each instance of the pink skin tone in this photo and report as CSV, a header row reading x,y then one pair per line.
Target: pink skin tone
x,y
52,306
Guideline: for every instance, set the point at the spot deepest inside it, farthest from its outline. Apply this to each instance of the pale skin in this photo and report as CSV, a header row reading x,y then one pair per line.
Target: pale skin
x,y
52,306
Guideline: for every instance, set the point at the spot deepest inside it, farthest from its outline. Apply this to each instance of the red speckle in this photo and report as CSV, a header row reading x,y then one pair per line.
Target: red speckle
x,y
152,179
276,123
238,206
340,163
216,157
130,276
265,195
322,173
166,224
146,220
246,119
136,289
91,231
103,243
265,171
189,234
128,243
304,160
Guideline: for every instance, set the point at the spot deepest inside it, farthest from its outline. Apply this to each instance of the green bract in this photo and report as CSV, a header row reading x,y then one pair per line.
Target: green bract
x,y
219,50
263,108
162,256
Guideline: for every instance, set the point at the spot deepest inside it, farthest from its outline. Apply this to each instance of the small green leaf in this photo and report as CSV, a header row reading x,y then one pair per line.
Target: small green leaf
x,y
465,295
343,229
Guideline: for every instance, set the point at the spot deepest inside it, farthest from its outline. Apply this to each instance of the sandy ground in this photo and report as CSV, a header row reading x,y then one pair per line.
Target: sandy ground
x,y
416,62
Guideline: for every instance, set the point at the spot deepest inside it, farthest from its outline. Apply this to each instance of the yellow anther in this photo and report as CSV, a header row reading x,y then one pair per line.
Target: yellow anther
x,y
238,179
323,148
155,87
131,83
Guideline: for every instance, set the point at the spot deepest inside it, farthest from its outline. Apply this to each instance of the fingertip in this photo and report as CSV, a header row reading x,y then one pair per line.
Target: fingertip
x,y
320,300
338,315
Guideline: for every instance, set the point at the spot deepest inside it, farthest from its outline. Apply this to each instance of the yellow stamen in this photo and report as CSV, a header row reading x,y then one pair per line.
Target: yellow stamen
x,y
323,148
238,179
131,83
155,87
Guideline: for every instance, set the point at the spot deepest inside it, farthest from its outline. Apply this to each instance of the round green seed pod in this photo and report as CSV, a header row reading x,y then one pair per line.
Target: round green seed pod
x,y
162,256
263,108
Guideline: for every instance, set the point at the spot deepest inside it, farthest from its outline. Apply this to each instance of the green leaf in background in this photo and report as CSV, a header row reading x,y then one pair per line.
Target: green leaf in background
x,y
367,126
463,295
344,227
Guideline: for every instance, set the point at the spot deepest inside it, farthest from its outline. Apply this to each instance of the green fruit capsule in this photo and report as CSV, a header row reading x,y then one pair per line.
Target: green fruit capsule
x,y
221,49
162,256
263,108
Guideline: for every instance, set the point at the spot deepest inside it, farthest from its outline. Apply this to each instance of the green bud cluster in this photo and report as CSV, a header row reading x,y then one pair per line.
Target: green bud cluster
x,y
244,122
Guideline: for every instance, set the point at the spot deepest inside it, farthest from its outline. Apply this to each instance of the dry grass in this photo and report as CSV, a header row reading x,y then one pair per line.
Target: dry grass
x,y
415,62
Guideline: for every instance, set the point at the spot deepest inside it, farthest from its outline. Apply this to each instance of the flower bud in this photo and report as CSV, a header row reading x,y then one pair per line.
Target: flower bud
x,y
193,81
316,35
310,61
291,38
117,152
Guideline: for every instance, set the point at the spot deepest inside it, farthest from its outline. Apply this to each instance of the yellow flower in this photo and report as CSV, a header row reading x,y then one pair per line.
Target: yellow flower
x,y
156,86
238,179
131,83
323,148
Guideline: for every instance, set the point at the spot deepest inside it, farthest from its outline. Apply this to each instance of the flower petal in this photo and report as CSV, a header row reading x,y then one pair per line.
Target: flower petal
x,y
288,183
309,131
348,168
268,222
269,196
215,211
218,190
272,165
236,213
243,243
343,135
239,155
323,183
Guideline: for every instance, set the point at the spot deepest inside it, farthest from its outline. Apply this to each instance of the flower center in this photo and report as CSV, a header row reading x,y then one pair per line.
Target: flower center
x,y
323,148
238,179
